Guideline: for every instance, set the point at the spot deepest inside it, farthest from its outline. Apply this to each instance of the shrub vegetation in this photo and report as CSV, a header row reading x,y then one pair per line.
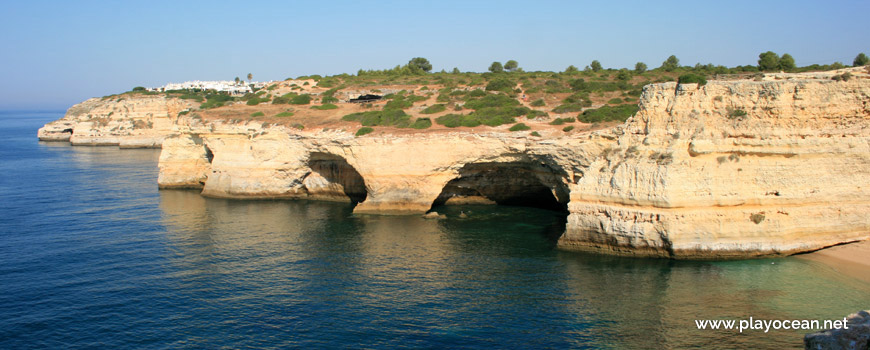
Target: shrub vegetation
x,y
692,79
519,127
325,107
608,113
434,109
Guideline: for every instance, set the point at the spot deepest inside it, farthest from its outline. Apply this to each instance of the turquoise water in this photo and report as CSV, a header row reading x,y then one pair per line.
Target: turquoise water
x,y
92,255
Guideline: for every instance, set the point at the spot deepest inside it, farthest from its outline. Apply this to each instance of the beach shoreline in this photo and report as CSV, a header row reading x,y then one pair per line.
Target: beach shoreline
x,y
851,259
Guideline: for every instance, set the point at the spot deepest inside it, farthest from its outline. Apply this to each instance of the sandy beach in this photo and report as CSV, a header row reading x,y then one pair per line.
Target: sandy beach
x,y
851,259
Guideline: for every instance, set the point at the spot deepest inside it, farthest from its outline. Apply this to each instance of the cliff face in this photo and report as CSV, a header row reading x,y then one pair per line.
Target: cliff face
x,y
728,169
692,176
125,121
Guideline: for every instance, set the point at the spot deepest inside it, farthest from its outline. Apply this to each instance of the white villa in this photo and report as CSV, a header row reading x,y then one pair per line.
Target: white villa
x,y
224,86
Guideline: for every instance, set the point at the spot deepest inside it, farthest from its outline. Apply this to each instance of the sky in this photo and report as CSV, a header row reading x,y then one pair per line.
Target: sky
x,y
54,54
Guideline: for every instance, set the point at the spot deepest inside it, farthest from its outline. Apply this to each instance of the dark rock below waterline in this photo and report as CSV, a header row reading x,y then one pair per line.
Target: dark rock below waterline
x,y
856,336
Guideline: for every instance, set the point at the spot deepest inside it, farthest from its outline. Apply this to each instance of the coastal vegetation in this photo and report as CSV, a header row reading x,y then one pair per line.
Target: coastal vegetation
x,y
415,96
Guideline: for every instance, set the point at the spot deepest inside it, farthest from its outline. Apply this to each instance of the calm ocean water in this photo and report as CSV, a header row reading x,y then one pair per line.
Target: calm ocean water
x,y
92,255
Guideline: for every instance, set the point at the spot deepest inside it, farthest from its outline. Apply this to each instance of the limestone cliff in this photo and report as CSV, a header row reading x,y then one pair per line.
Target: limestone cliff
x,y
127,121
728,169
731,169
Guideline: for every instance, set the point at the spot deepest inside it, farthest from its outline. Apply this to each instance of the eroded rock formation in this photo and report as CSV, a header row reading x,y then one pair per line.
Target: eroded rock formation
x,y
730,169
855,335
125,121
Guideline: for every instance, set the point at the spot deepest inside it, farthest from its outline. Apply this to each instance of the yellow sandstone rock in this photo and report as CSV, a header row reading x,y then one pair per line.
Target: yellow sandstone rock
x,y
731,169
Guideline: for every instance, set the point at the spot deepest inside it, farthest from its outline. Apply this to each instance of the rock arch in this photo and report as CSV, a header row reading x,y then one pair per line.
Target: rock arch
x,y
332,178
525,182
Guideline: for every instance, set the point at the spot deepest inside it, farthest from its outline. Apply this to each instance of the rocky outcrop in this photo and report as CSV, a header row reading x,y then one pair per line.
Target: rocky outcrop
x,y
128,121
855,335
730,169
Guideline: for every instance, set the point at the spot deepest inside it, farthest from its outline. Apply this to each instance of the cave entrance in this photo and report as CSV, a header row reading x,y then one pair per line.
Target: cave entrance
x,y
209,155
524,183
334,179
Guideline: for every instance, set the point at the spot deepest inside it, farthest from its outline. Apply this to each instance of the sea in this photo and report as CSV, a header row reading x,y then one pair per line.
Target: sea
x,y
94,256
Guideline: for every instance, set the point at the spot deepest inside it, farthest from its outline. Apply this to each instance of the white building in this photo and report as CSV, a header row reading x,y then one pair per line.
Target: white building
x,y
221,86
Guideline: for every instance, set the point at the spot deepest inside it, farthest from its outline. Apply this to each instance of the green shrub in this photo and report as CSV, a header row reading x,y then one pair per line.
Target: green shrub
x,y
364,130
692,79
735,113
328,82
476,93
387,117
280,100
538,103
568,128
402,101
614,101
491,110
842,77
257,114
303,99
211,104
571,107
501,84
299,126
422,123
608,113
560,121
456,120
138,88
519,127
328,99
215,100
192,96
535,133
490,100
324,107
284,114
534,114
253,101
434,109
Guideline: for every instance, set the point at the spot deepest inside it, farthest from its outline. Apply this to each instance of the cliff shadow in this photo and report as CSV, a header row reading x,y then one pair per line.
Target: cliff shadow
x,y
334,179
525,183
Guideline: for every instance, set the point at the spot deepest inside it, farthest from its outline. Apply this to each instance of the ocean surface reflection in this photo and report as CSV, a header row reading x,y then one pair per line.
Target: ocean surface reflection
x,y
480,280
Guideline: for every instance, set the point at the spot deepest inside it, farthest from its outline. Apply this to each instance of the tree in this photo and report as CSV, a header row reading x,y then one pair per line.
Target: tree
x,y
640,67
237,80
670,64
571,69
624,75
250,76
420,63
860,60
596,66
496,67
768,61
511,65
786,63
456,70
139,88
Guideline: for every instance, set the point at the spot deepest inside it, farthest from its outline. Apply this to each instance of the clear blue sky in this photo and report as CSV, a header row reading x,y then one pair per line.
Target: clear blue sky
x,y
57,53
